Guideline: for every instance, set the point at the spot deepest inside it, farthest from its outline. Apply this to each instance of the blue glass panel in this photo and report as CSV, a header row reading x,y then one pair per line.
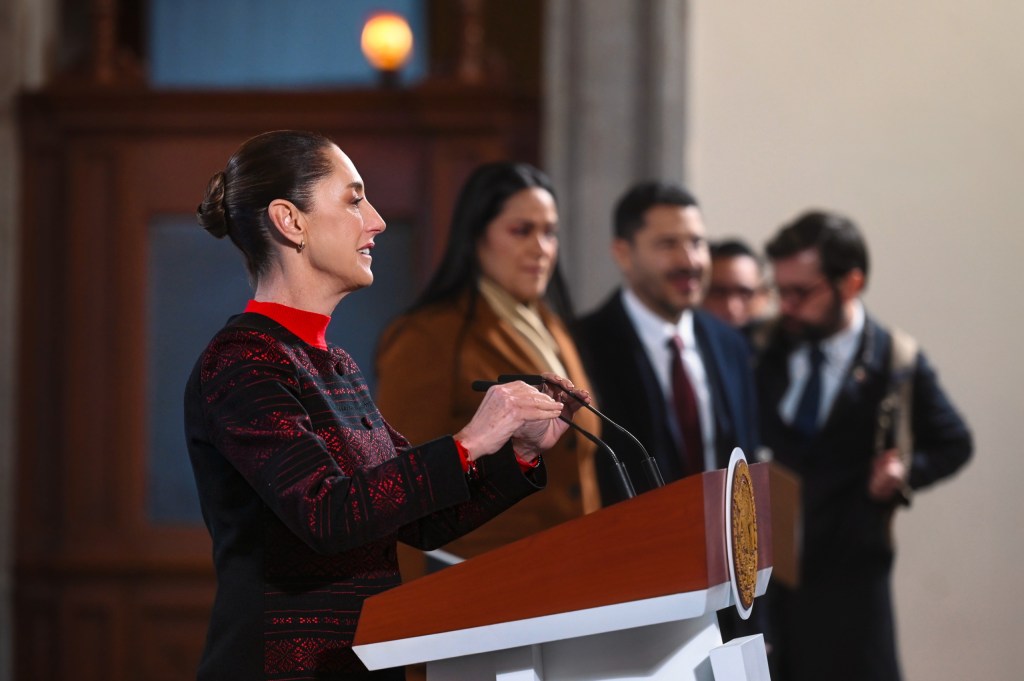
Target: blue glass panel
x,y
271,43
196,283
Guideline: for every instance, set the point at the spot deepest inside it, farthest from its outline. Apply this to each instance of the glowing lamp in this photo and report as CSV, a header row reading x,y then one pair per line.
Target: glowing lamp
x,y
387,41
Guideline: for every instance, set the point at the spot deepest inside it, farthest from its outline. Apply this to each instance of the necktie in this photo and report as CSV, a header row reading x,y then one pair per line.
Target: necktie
x,y
806,419
684,402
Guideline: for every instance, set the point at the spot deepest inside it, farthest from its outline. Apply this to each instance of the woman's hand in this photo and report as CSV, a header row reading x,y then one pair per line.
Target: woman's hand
x,y
506,410
534,438
562,390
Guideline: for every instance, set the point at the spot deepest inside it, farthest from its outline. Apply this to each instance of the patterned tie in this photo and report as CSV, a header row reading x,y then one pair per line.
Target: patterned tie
x,y
806,419
684,401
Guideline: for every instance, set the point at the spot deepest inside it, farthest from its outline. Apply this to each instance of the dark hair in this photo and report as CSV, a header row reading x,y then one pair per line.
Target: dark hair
x,y
839,243
629,211
735,248
480,200
284,164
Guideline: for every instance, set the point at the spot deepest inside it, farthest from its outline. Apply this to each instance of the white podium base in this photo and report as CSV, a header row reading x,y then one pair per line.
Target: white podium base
x,y
672,650
741,659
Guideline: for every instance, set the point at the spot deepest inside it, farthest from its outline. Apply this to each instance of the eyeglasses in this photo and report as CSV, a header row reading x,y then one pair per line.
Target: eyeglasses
x,y
799,294
744,293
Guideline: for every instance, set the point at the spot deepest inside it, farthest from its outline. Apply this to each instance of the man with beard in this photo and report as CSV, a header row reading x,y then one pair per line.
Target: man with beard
x,y
857,411
673,375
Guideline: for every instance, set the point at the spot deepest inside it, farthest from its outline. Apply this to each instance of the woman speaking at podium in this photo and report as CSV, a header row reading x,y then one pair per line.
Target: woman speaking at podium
x,y
305,488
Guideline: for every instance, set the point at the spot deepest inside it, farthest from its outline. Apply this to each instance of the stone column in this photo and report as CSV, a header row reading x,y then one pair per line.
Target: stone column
x,y
615,76
27,29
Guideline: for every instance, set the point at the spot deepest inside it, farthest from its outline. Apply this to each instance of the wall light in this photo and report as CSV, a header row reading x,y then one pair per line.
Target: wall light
x,y
387,44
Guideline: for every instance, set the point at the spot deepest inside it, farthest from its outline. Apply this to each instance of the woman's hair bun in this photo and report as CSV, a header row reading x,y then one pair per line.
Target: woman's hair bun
x,y
212,212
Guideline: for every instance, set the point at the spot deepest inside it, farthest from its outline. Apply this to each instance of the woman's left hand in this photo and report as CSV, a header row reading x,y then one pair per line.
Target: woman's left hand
x,y
535,437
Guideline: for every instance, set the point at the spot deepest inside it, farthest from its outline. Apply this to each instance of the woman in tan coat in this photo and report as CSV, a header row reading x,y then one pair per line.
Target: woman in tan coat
x,y
494,306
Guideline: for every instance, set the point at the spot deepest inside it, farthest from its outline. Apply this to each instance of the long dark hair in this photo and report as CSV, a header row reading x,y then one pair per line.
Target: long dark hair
x,y
480,200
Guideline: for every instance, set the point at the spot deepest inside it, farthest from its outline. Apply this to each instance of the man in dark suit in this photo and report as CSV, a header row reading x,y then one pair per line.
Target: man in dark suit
x,y
673,375
857,411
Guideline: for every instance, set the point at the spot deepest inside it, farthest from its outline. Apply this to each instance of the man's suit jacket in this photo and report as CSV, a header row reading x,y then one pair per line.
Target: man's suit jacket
x,y
838,625
627,391
842,525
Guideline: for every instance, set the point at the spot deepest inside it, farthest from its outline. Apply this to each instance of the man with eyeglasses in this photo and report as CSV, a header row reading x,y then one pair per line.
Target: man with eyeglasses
x,y
857,411
737,293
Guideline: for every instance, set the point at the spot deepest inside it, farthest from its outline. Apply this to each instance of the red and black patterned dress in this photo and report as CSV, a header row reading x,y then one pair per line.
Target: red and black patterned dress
x,y
306,489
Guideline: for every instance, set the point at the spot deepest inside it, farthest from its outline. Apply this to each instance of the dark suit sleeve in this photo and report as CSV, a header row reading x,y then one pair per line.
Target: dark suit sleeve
x,y
588,336
749,421
623,384
729,362
942,440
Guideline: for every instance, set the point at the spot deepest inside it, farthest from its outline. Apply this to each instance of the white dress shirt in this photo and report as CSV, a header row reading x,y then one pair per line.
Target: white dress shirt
x,y
839,350
655,333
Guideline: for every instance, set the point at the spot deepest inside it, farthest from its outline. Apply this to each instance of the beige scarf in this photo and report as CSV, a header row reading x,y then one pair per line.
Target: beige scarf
x,y
526,320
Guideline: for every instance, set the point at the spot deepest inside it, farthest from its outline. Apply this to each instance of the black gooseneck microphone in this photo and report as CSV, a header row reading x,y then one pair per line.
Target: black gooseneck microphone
x,y
625,484
649,463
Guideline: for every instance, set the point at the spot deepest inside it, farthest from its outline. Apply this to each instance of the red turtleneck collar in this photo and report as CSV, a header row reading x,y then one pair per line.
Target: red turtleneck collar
x,y
311,327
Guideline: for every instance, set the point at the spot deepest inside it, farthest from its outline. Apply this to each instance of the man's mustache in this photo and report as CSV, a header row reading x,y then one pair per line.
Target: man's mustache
x,y
687,273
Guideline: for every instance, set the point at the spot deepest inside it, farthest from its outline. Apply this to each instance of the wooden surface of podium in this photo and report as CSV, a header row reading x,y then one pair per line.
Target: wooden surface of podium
x,y
630,591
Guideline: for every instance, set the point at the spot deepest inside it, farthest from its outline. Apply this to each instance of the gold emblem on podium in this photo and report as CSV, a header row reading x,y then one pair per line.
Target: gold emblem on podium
x,y
743,535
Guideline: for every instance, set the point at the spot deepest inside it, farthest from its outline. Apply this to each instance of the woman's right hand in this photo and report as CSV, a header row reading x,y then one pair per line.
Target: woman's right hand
x,y
505,408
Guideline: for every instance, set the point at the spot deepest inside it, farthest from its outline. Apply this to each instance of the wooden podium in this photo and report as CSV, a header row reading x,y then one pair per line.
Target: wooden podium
x,y
628,592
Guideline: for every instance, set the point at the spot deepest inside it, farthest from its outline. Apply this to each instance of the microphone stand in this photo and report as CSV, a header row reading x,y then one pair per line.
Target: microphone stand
x,y
649,463
625,484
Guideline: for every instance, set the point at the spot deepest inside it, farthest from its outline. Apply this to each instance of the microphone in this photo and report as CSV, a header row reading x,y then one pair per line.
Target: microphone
x,y
649,463
625,484
529,379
